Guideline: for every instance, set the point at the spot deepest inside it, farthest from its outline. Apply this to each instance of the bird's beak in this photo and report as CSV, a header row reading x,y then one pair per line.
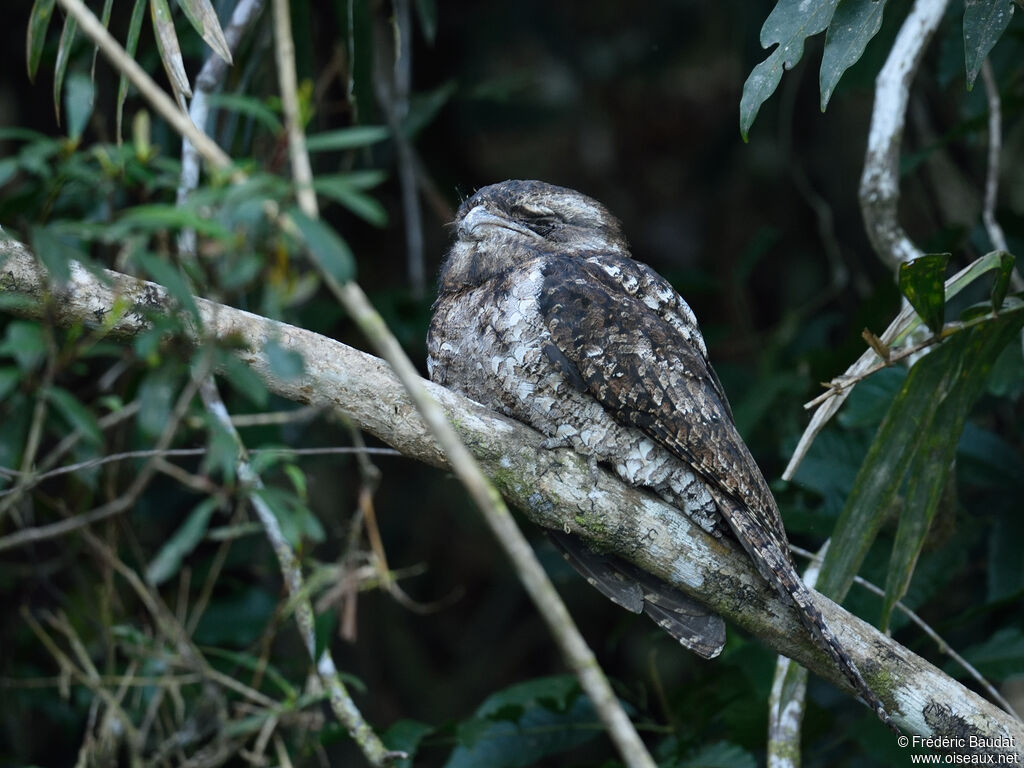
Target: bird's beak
x,y
476,222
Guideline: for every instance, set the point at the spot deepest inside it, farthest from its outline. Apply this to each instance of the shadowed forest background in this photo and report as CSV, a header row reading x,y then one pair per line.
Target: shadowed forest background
x,y
637,106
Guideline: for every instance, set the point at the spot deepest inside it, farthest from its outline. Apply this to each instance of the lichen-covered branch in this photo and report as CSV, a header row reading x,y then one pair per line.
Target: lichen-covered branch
x,y
553,488
879,183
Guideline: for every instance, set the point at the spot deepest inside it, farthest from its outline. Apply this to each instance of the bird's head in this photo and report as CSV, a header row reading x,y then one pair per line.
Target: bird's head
x,y
506,224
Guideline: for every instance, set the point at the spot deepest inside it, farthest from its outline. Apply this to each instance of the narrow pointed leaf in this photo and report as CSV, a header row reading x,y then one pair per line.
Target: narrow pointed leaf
x,y
170,51
108,6
130,46
327,249
984,23
853,25
346,138
78,102
203,18
247,105
922,281
355,200
789,24
1002,283
168,560
75,414
35,38
926,417
67,40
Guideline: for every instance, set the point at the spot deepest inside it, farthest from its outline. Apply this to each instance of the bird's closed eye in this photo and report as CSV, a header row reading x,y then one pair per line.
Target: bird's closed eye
x,y
542,225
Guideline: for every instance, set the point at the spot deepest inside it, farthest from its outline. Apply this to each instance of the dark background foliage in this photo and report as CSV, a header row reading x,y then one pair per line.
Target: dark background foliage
x,y
636,105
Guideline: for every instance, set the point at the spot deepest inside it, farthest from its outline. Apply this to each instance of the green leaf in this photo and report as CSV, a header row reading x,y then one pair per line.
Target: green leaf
x,y
984,23
35,38
183,541
1002,282
247,105
243,379
156,398
405,735
108,7
203,18
77,415
260,665
339,189
719,754
286,364
10,377
423,108
524,724
222,450
56,250
426,10
78,101
25,342
238,619
927,416
297,521
327,249
922,281
169,49
130,46
170,277
853,25
67,41
999,657
346,138
788,25
158,217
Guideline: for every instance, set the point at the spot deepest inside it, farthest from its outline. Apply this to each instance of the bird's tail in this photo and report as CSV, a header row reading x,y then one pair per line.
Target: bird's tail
x,y
776,567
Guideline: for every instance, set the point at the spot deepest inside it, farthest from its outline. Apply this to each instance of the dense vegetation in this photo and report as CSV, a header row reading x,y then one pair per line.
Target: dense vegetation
x,y
163,633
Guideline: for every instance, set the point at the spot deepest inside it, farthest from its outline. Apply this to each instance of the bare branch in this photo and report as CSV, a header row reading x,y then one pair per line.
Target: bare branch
x,y
879,183
553,488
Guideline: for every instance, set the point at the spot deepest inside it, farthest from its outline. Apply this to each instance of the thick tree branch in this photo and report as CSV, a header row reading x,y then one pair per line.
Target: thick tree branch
x,y
553,488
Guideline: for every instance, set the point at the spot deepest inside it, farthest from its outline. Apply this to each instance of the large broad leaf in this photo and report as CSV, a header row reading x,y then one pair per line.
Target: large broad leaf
x,y
853,25
405,735
966,360
788,25
927,415
984,23
525,723
922,281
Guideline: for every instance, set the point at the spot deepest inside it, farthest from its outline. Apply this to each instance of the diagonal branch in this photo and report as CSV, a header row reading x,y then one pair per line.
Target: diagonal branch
x,y
554,489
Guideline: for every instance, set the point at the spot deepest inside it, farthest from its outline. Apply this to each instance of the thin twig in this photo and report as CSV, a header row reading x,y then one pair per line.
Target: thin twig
x,y
995,144
574,648
788,698
110,458
341,701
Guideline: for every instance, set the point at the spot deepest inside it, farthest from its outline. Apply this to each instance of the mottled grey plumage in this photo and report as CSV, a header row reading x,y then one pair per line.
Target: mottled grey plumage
x,y
543,315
